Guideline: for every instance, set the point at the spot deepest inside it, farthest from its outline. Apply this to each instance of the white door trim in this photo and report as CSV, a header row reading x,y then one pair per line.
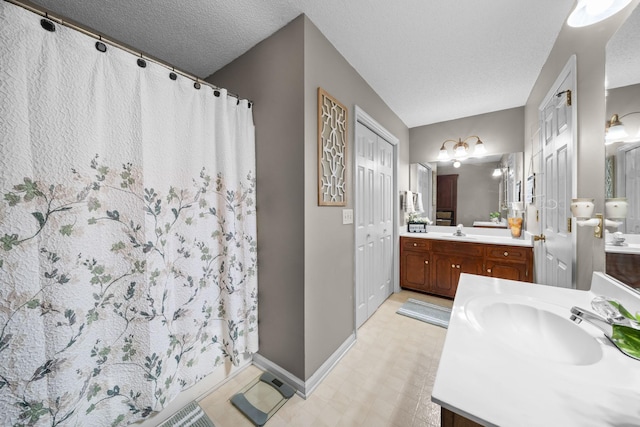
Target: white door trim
x,y
368,121
569,68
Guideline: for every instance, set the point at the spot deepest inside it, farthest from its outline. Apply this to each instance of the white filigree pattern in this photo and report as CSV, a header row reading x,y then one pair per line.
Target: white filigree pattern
x,y
332,151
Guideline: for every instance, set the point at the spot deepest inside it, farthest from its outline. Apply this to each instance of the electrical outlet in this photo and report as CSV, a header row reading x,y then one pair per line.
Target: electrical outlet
x,y
347,216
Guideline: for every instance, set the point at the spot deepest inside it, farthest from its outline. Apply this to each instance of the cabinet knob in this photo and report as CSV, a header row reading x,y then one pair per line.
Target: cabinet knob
x,y
488,270
415,244
457,266
452,265
426,262
506,254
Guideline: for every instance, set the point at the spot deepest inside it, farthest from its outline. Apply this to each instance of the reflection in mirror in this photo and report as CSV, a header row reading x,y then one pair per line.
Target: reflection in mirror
x,y
482,192
622,177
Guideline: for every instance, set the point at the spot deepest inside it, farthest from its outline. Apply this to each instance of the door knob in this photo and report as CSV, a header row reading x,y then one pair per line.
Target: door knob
x,y
541,238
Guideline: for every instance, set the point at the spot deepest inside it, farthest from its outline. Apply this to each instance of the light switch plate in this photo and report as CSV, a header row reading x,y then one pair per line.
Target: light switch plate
x,y
347,216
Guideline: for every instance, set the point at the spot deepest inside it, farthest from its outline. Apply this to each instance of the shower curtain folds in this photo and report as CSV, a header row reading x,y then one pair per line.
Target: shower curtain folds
x,y
128,263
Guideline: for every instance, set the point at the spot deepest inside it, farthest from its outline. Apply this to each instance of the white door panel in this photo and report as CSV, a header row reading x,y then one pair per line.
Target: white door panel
x,y
374,221
556,116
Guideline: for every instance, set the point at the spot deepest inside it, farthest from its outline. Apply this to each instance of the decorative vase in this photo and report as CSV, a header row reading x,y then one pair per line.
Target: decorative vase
x,y
515,225
582,208
616,208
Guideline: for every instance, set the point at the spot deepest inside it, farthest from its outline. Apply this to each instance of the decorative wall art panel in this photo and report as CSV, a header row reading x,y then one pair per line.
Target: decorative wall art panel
x,y
332,151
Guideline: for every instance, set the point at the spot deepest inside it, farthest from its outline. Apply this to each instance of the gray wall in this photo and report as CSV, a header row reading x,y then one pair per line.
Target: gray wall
x,y
329,245
588,44
477,191
500,131
272,75
305,254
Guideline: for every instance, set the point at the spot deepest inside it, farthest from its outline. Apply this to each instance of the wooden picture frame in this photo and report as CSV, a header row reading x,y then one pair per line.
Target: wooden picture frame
x,y
332,150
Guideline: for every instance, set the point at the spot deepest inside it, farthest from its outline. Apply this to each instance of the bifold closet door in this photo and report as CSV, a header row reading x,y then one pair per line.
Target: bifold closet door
x,y
374,219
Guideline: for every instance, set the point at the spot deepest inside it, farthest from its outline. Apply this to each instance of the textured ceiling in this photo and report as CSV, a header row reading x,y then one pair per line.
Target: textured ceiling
x,y
623,54
429,60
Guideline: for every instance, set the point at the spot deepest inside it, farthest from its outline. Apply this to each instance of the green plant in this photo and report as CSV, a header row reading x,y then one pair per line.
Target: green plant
x,y
494,215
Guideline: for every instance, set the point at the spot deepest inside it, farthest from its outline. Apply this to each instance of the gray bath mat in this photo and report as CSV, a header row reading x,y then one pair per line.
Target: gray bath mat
x,y
189,416
426,312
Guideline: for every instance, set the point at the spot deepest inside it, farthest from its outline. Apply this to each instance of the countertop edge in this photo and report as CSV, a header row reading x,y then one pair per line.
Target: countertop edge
x,y
475,238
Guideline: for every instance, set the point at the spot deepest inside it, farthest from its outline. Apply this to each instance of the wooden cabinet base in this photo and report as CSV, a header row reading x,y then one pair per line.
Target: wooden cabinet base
x,y
451,419
434,266
624,267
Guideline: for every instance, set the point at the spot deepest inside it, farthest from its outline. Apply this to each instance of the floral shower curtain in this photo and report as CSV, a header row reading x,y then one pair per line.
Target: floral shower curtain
x,y
127,230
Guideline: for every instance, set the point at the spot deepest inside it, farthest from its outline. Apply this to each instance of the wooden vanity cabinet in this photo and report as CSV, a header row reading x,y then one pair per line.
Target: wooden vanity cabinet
x,y
415,264
434,266
624,267
447,269
508,262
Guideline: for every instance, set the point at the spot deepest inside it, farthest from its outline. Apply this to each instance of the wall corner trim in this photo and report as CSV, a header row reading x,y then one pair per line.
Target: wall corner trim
x,y
305,388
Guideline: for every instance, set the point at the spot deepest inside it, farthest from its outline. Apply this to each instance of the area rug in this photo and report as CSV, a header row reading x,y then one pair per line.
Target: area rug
x,y
426,312
189,416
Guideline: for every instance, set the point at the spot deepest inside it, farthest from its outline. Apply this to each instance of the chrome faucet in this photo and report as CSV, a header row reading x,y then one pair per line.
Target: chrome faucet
x,y
579,314
459,231
620,333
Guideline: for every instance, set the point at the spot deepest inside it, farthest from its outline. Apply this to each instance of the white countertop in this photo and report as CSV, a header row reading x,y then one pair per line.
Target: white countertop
x,y
475,237
631,244
626,248
489,380
490,224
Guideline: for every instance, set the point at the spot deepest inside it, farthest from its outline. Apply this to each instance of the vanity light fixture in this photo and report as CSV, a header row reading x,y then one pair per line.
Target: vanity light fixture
x,y
615,209
615,130
582,210
588,12
461,149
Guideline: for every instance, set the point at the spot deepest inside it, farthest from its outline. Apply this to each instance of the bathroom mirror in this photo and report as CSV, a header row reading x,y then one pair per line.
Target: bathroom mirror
x,y
622,163
474,191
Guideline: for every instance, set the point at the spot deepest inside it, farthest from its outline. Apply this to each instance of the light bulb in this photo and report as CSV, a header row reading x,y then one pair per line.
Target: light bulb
x,y
460,151
456,164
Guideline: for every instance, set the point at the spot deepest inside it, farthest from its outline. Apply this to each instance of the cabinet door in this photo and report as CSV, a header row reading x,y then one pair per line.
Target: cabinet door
x,y
415,268
443,275
504,270
447,269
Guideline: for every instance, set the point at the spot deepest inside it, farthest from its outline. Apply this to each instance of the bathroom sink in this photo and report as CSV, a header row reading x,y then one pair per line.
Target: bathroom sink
x,y
528,327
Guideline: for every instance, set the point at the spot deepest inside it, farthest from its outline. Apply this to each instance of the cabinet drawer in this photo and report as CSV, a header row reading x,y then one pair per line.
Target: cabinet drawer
x,y
413,243
513,253
458,248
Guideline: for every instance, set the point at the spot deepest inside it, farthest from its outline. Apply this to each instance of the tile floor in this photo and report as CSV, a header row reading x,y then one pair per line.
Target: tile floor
x,y
385,379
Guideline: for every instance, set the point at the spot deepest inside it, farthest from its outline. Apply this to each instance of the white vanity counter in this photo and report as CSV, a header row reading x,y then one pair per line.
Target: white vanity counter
x,y
631,245
473,235
513,357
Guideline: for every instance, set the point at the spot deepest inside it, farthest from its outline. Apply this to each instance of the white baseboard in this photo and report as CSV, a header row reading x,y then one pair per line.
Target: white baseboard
x,y
320,374
268,366
305,388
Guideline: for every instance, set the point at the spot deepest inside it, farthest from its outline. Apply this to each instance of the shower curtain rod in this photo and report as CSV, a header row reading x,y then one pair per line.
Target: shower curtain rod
x,y
89,32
